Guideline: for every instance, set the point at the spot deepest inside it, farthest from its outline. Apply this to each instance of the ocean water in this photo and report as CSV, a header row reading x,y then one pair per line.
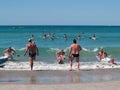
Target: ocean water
x,y
107,38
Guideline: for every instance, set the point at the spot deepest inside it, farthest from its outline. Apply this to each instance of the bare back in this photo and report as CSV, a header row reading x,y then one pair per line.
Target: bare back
x,y
31,47
75,48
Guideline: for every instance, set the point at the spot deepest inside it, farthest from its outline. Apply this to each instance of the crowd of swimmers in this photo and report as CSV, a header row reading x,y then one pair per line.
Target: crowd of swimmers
x,y
74,52
52,36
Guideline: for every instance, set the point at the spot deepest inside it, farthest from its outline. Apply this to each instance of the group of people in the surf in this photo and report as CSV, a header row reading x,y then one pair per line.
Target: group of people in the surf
x,y
52,36
74,52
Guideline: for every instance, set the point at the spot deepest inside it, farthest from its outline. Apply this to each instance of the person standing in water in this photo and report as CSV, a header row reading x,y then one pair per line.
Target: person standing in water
x,y
74,53
33,50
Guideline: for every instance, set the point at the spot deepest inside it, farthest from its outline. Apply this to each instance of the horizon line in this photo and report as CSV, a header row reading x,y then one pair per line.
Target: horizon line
x,y
57,25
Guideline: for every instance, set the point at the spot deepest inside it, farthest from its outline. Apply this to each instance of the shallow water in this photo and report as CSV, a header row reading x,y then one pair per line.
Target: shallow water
x,y
58,77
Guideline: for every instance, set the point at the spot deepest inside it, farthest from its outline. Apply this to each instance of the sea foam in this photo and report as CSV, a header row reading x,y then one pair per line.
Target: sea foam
x,y
55,66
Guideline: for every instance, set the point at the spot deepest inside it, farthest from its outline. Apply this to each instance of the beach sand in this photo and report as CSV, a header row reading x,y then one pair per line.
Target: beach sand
x,y
60,80
111,85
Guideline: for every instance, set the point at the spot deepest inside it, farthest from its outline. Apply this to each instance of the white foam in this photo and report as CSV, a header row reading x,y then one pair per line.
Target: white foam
x,y
88,50
54,49
95,49
21,49
85,49
55,66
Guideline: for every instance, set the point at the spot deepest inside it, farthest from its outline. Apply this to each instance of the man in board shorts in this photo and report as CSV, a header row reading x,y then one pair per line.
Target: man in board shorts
x,y
74,53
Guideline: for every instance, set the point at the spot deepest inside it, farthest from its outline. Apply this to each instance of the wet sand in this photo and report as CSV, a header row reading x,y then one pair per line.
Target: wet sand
x,y
110,85
58,77
60,80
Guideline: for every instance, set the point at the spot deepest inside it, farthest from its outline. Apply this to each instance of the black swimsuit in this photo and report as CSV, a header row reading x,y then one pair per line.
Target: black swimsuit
x,y
75,55
32,54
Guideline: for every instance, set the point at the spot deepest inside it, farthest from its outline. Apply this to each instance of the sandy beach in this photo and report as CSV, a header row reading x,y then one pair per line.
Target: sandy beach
x,y
111,85
60,80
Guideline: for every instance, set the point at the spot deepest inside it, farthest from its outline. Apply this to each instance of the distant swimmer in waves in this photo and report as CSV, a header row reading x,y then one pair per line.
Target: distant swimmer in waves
x,y
52,36
65,36
8,52
32,37
44,36
48,35
93,37
102,56
60,56
79,36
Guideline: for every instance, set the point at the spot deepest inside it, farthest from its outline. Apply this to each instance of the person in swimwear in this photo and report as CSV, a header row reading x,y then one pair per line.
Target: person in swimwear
x,y
44,36
60,56
74,53
52,36
78,36
33,50
102,55
32,37
8,52
65,36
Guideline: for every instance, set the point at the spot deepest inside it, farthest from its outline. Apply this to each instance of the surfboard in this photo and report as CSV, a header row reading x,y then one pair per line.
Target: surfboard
x,y
3,59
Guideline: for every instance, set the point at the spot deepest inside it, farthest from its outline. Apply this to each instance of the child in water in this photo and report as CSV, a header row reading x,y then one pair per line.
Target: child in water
x,y
60,56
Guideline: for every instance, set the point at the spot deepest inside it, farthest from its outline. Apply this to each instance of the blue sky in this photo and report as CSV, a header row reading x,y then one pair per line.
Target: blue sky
x,y
59,12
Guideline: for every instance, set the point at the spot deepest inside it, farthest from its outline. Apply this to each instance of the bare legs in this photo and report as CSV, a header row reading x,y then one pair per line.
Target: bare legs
x,y
31,62
71,64
77,63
